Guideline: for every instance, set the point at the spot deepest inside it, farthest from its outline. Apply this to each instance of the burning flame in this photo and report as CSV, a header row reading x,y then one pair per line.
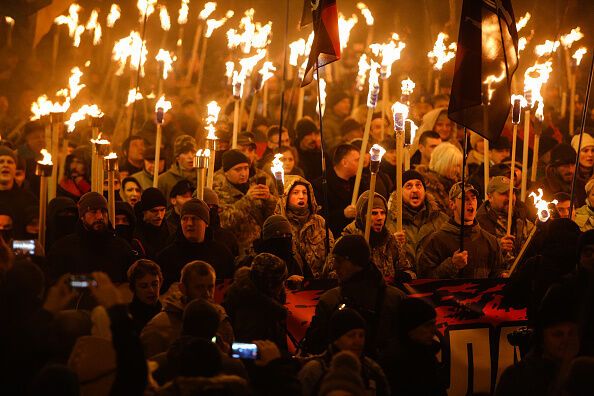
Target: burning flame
x,y
111,155
521,24
364,67
389,52
366,13
80,29
47,158
523,101
71,20
41,107
207,10
493,79
162,105
133,48
297,49
568,39
277,168
74,85
182,17
534,78
322,98
547,48
9,21
579,54
80,114
213,110
165,57
213,24
407,86
253,35
374,87
377,152
115,13
441,54
203,153
95,26
266,72
400,111
164,18
100,140
344,28
133,96
229,67
146,8
541,205
248,64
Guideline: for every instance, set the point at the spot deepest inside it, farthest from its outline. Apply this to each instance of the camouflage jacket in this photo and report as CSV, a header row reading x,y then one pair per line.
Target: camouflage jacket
x,y
417,227
584,218
309,235
437,188
241,214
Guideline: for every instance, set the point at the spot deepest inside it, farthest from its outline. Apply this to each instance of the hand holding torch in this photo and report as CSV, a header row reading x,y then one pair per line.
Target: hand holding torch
x,y
376,154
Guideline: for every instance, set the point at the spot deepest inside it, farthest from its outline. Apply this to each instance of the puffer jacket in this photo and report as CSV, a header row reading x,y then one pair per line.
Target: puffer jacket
x,y
386,252
437,187
417,226
241,214
309,234
584,218
484,254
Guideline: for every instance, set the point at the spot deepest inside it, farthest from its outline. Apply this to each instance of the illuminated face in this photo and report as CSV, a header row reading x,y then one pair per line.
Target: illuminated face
x,y
95,220
470,204
563,209
199,287
350,163
313,141
587,157
193,228
154,216
565,172
288,161
443,126
273,141
500,201
77,168
239,174
378,219
249,151
186,160
116,184
146,289
131,193
427,148
298,196
352,341
376,128
413,193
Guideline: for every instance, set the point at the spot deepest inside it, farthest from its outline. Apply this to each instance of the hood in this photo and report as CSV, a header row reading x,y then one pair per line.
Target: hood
x,y
362,207
290,181
430,119
60,204
83,153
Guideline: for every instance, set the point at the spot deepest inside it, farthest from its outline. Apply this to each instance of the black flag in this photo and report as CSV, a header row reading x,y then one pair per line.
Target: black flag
x,y
486,59
325,48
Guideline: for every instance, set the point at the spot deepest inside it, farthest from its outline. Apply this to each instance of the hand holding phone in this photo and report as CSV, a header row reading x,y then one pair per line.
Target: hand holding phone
x,y
25,247
240,350
82,281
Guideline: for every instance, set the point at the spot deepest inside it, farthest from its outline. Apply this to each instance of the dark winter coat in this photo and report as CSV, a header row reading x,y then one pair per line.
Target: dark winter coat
x,y
142,313
148,240
62,216
17,200
533,376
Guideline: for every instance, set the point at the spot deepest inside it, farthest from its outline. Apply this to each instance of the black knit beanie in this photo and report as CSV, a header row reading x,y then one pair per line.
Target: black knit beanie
x,y
344,320
414,312
5,150
275,226
353,248
232,158
151,198
198,208
412,174
91,201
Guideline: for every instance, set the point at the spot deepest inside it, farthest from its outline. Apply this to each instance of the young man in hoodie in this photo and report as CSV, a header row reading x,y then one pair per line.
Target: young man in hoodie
x,y
481,257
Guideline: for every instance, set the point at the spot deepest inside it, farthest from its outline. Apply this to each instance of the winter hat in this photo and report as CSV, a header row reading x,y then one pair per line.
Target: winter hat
x,y
304,127
5,150
414,312
183,144
562,154
201,319
180,188
198,208
344,375
276,226
124,208
353,248
412,174
344,320
232,158
210,197
379,202
268,271
587,140
151,198
91,201
246,139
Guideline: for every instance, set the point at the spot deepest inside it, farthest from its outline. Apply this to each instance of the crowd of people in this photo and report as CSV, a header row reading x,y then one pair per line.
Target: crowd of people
x,y
130,305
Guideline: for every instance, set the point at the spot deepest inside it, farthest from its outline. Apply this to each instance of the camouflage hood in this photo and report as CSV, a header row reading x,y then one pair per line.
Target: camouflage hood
x,y
290,182
362,207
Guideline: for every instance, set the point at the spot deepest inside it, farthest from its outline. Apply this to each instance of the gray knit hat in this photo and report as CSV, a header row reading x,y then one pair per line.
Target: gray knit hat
x,y
198,208
91,201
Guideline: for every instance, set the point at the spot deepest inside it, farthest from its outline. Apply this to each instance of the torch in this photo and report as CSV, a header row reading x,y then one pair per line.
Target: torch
x,y
567,41
165,67
206,11
539,118
211,139
364,67
182,19
43,169
278,171
406,89
100,150
56,120
201,163
110,165
237,94
165,23
264,75
576,60
376,153
439,56
344,33
369,20
161,108
518,102
372,95
10,22
400,112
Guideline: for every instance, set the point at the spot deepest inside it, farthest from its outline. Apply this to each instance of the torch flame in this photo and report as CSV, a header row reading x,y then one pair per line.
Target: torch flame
x,y
547,48
41,107
213,110
297,49
80,114
266,72
541,205
400,111
164,18
377,152
277,168
165,57
534,78
441,54
521,24
115,13
133,96
523,101
364,67
253,35
9,21
71,20
182,17
344,28
389,52
575,35
80,29
145,8
366,13
229,67
407,86
111,155
322,99
207,10
133,48
213,24
579,54
74,85
95,26
163,105
203,153
47,158
248,64
100,140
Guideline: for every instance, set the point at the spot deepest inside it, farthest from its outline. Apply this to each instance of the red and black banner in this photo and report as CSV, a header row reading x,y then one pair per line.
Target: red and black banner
x,y
325,48
486,59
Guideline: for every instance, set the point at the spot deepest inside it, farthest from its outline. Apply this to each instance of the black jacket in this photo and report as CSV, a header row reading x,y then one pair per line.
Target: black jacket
x,y
142,313
17,200
148,240
340,193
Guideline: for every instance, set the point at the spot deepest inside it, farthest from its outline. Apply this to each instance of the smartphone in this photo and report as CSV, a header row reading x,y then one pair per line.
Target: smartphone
x,y
261,180
25,247
82,281
240,350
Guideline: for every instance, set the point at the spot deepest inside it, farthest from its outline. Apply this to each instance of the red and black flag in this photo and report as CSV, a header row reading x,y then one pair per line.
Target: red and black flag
x,y
486,59
325,48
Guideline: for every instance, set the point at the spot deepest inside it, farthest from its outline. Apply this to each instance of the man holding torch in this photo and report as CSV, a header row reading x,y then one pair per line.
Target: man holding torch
x,y
441,257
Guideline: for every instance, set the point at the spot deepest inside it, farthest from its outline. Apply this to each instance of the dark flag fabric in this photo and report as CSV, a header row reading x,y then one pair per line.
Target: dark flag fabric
x,y
325,48
486,59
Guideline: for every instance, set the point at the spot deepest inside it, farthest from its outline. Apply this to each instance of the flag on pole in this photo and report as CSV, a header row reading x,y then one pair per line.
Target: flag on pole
x,y
486,59
325,48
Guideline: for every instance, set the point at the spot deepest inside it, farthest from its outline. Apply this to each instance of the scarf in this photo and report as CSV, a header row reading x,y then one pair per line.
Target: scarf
x,y
297,215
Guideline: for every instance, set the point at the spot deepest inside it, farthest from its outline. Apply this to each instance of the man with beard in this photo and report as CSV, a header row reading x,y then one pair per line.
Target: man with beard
x,y
308,144
184,151
481,257
151,233
386,252
420,215
492,216
559,173
245,201
11,197
93,247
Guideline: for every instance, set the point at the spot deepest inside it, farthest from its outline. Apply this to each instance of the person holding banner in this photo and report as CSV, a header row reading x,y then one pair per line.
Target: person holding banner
x,y
481,255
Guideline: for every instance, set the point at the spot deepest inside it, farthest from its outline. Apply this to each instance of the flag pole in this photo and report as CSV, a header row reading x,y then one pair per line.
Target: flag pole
x,y
282,104
582,126
463,190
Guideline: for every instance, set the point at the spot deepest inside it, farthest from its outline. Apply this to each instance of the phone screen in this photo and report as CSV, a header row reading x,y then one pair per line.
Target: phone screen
x,y
261,180
241,350
82,281
24,247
